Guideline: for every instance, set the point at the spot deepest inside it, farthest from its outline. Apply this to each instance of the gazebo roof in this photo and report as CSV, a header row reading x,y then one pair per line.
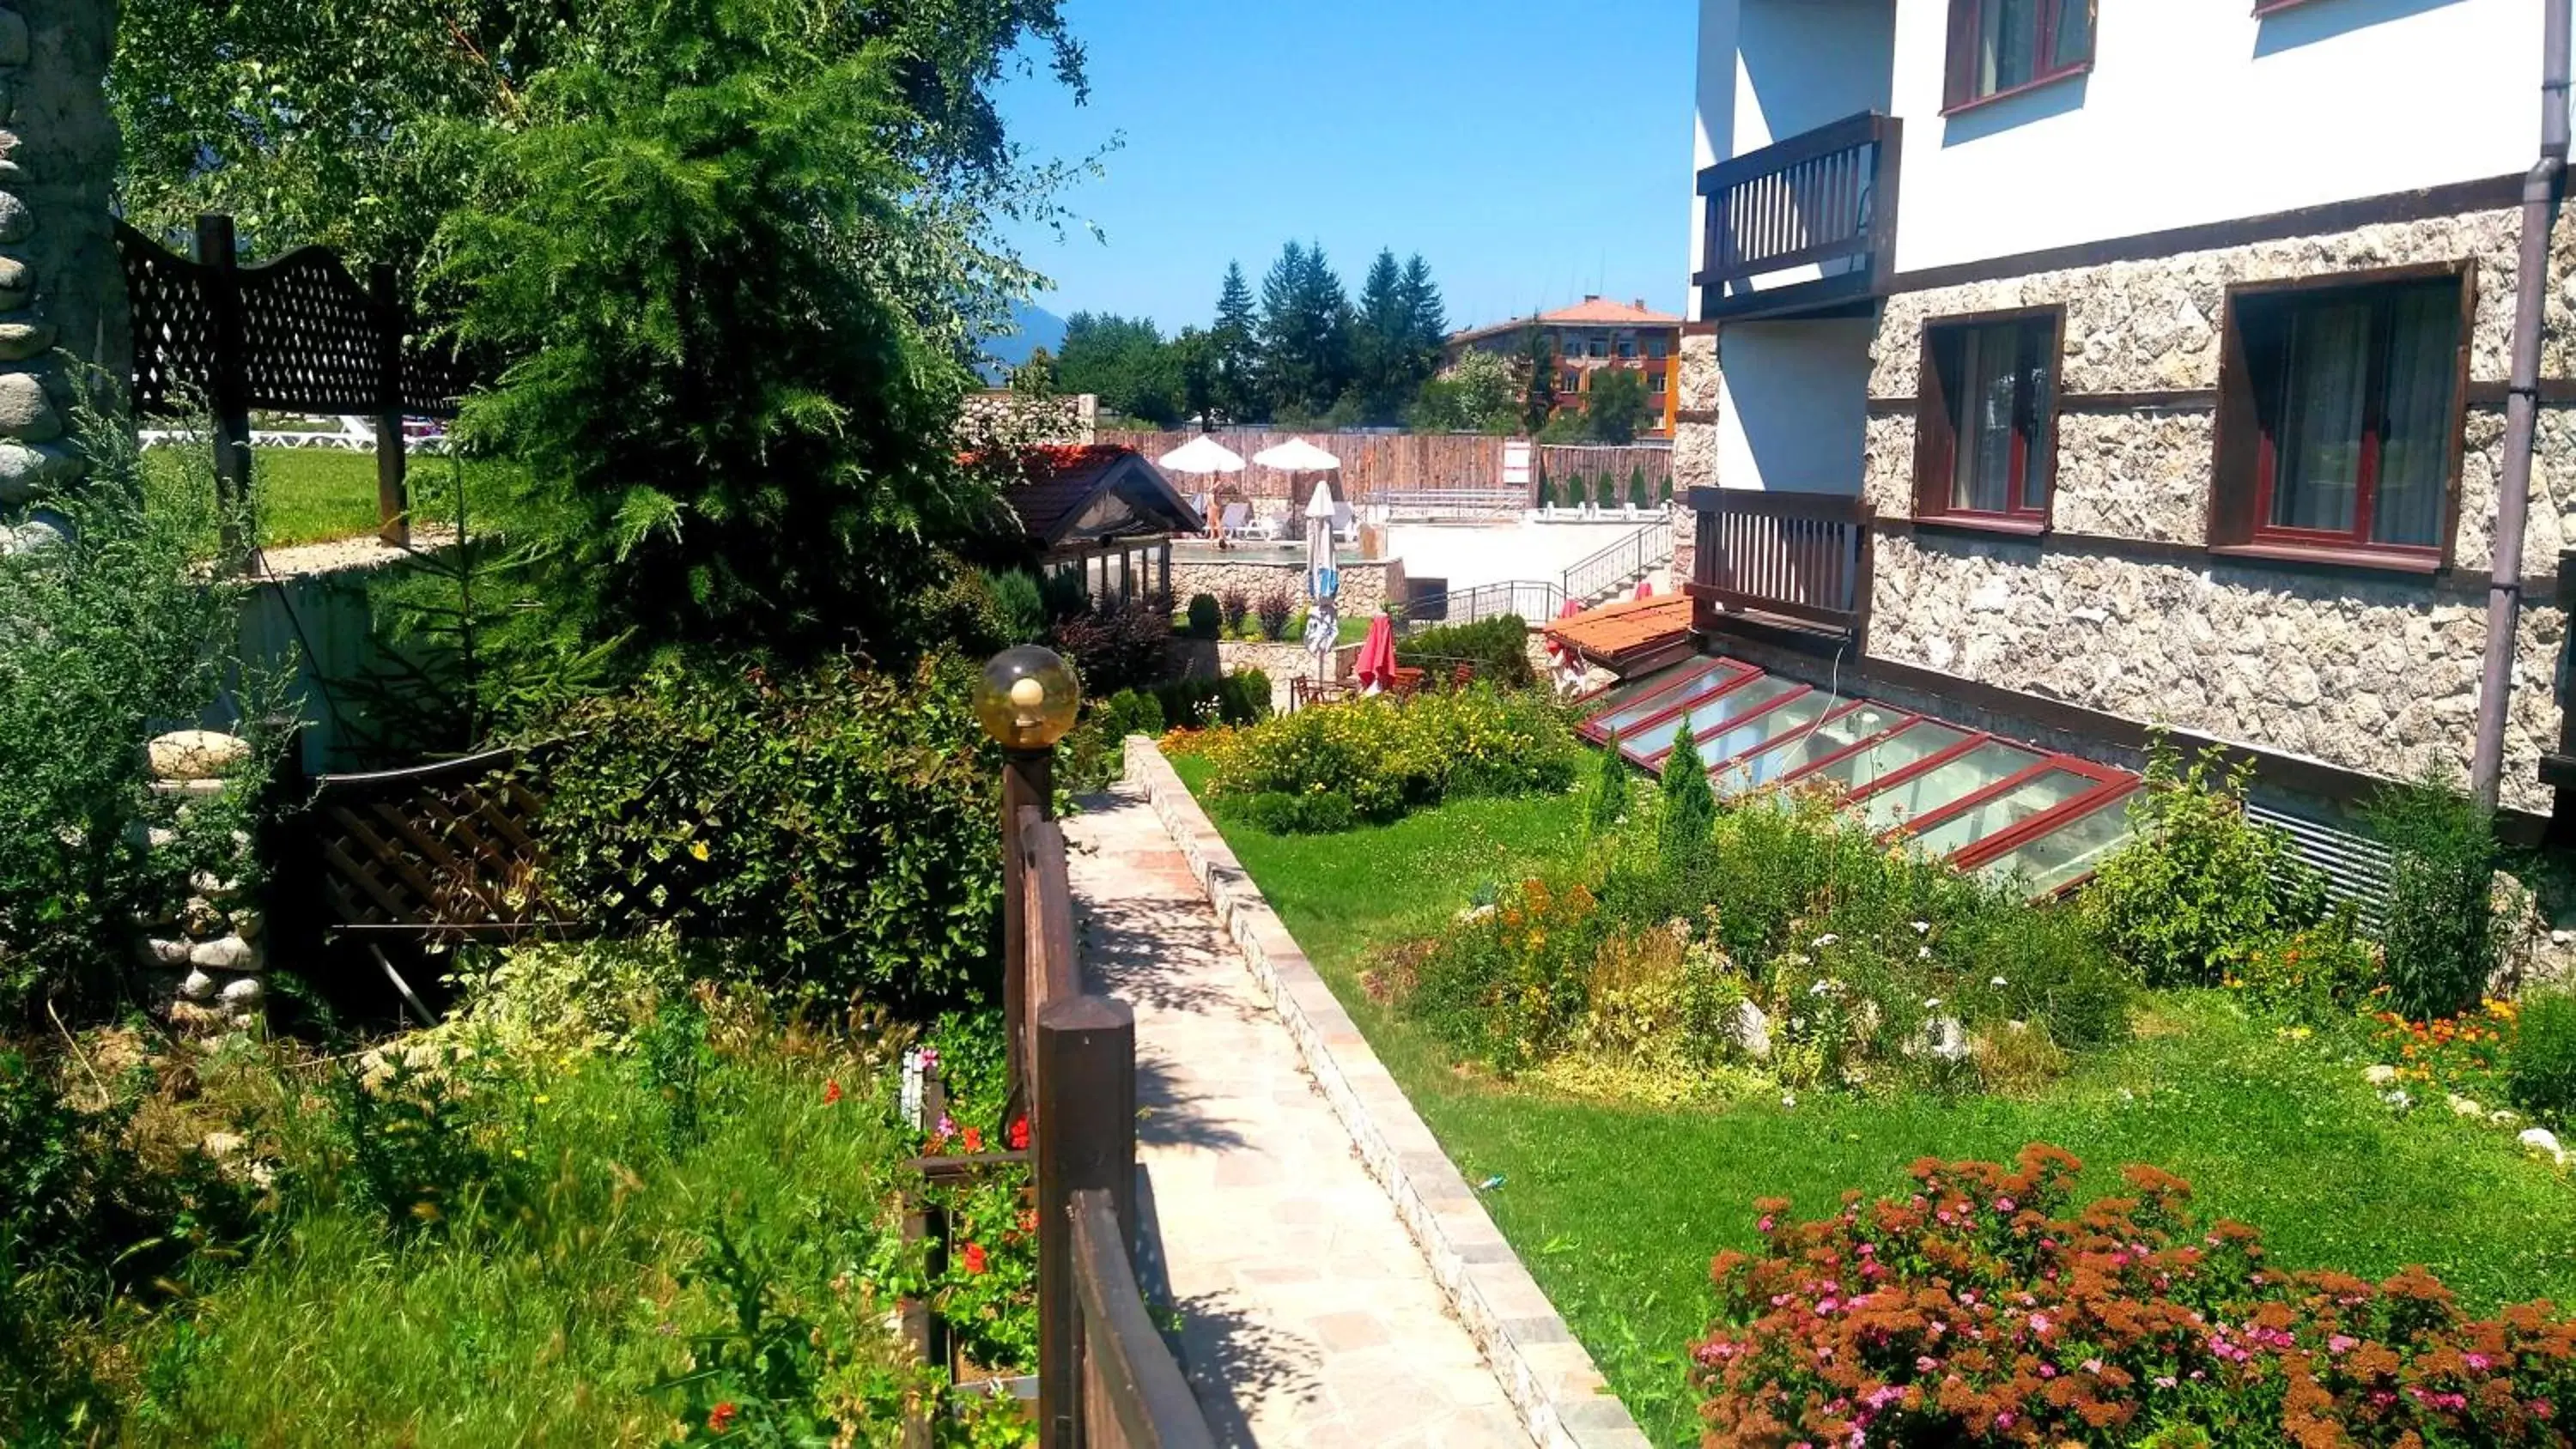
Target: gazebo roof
x,y
1075,495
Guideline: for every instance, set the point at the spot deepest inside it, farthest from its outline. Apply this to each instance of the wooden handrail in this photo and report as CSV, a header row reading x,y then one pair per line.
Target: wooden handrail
x,y
1854,130
1764,503
1134,1394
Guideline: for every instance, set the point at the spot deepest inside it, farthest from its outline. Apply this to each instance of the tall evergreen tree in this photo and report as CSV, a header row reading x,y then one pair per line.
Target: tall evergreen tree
x,y
1382,360
1426,317
1234,354
1538,394
1305,333
1690,806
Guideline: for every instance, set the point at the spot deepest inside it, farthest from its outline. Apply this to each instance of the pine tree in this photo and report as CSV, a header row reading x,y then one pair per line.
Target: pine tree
x,y
1610,795
1234,354
1637,494
1305,333
1382,366
1426,318
1690,806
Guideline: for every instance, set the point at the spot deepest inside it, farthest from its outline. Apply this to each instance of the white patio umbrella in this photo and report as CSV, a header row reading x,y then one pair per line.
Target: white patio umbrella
x,y
1323,582
1294,457
1204,457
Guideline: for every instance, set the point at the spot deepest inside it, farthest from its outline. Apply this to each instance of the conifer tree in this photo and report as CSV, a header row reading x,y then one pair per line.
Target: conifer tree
x,y
1690,806
1234,353
1610,795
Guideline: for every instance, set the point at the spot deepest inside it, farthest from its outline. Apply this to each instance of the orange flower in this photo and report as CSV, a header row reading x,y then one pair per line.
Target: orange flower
x,y
721,1417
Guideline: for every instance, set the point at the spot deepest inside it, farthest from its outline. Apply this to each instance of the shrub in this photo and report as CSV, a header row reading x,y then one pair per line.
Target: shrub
x,y
1690,806
1125,647
1240,698
1235,604
2199,887
1546,492
1021,605
1497,649
1206,617
2541,1069
2318,975
1664,494
1981,1307
1324,812
1387,756
1275,609
1130,713
1609,491
832,829
1609,791
2440,917
1637,494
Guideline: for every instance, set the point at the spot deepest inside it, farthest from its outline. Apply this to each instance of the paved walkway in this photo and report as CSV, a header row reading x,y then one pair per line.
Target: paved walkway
x,y
1309,1316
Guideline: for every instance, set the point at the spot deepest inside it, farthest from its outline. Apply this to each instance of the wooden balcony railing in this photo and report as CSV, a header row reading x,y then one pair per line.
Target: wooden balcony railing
x,y
1803,557
1826,199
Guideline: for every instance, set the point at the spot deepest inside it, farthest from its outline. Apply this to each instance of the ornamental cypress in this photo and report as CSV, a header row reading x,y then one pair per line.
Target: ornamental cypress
x,y
1610,795
1690,806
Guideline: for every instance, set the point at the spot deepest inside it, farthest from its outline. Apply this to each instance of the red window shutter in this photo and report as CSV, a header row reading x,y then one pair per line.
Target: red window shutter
x,y
1935,435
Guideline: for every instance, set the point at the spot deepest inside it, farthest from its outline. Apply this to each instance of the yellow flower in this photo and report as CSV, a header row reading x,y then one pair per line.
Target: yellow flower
x,y
698,848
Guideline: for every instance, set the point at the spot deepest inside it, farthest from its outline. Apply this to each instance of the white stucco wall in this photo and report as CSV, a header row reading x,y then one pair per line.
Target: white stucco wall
x,y
2195,111
1793,401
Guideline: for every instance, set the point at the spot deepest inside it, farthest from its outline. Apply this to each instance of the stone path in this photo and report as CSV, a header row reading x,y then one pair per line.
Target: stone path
x,y
1310,1318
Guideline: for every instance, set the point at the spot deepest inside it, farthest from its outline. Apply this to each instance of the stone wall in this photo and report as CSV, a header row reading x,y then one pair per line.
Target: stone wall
x,y
1366,587
207,962
59,281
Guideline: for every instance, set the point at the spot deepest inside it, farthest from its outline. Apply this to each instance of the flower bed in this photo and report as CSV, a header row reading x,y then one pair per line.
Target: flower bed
x,y
1983,1308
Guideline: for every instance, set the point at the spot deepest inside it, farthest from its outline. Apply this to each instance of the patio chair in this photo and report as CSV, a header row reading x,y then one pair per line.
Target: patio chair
x,y
1346,524
1259,526
1238,518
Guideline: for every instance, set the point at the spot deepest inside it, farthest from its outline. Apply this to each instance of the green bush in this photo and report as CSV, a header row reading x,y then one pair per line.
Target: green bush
x,y
1275,610
1609,791
1690,806
2199,887
1637,493
1130,713
1021,605
2439,934
1206,616
1664,495
833,829
1609,494
1236,605
1497,649
1326,812
2319,975
2541,1069
1125,647
1388,757
1240,698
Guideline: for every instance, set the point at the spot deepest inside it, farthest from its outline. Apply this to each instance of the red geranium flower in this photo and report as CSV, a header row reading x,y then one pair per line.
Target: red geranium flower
x,y
721,1417
974,1139
975,1263
831,1093
1020,1134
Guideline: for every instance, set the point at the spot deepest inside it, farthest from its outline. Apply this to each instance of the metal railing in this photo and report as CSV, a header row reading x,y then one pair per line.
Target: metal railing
x,y
1800,556
1535,601
1452,502
1818,198
1621,564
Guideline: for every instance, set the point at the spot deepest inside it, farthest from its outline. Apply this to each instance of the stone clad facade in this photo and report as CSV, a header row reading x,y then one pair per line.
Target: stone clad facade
x,y
2117,607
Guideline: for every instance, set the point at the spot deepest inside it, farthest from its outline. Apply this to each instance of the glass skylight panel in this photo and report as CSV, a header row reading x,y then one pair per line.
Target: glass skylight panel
x,y
2016,806
1631,691
1986,764
1734,704
1769,726
1624,720
2063,855
1881,758
1794,752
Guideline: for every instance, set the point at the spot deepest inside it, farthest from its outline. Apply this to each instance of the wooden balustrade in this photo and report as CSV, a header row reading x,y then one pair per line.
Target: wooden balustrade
x,y
1803,557
1819,198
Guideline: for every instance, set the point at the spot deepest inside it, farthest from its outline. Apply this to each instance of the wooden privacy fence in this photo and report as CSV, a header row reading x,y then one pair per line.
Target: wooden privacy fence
x,y
295,333
1801,556
1378,467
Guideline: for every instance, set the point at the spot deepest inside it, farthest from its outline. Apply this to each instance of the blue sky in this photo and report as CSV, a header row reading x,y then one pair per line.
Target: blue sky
x,y
1531,152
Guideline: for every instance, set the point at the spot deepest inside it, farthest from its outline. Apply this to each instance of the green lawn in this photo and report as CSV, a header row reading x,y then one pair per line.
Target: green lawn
x,y
1617,1210
313,495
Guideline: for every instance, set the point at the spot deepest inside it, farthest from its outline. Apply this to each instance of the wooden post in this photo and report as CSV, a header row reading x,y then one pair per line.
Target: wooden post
x,y
1086,1142
229,387
393,502
1028,783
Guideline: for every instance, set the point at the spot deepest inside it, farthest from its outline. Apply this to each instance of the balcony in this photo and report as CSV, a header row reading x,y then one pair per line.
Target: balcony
x,y
1805,224
1796,559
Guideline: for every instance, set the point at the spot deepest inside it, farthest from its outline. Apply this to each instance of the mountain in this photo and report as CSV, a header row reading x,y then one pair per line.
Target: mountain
x,y
1034,327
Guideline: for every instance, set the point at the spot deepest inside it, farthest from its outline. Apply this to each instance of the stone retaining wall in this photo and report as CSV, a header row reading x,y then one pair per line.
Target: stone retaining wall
x,y
1366,587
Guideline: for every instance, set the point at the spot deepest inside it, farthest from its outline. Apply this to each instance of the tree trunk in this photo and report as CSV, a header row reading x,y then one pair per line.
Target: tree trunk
x,y
63,319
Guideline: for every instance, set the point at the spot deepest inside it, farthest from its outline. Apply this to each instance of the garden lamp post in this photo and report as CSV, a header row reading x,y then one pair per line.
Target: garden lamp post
x,y
1027,699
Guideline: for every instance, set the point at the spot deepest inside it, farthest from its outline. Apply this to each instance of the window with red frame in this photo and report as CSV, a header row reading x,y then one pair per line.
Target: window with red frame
x,y
2001,46
2338,407
1986,419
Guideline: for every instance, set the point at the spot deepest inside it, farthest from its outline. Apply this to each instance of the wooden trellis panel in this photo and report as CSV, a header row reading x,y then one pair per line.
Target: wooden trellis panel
x,y
444,851
174,326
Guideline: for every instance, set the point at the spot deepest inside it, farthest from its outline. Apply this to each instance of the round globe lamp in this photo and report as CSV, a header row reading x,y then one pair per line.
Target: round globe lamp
x,y
1027,698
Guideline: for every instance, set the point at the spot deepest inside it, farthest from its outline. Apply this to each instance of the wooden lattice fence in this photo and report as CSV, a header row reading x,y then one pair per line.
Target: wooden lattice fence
x,y
296,333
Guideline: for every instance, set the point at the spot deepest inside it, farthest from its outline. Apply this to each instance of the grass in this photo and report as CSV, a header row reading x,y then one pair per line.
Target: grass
x,y
318,495
1617,1210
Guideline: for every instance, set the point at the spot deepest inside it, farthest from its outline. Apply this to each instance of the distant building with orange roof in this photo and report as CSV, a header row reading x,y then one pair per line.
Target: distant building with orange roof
x,y
1593,334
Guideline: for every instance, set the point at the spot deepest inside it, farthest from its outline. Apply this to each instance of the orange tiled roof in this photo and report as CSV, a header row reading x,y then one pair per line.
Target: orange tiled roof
x,y
1604,311
1625,630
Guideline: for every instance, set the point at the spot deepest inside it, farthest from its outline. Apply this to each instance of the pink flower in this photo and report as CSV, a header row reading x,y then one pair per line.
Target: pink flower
x,y
2048,1370
1926,1364
2165,1381
1827,1305
1763,1226
1867,1250
2092,1365
2003,1204
2039,1323
2479,1361
2341,1343
2004,1420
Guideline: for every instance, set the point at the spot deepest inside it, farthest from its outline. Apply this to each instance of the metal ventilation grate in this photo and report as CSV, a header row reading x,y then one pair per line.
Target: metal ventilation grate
x,y
2355,866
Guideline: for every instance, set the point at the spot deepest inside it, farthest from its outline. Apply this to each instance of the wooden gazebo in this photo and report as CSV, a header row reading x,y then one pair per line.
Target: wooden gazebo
x,y
1104,512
